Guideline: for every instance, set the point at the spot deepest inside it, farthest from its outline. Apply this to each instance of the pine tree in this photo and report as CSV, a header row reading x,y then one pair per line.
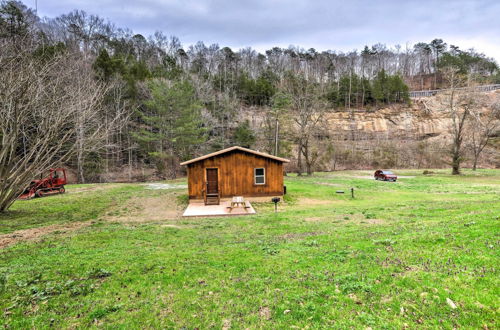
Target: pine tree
x,y
243,135
173,124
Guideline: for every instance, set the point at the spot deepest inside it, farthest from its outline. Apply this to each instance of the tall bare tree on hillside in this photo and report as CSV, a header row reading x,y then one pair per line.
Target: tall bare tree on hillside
x,y
307,109
482,126
457,103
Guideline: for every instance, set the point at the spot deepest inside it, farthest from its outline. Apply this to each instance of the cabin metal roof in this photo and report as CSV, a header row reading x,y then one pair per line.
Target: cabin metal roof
x,y
223,151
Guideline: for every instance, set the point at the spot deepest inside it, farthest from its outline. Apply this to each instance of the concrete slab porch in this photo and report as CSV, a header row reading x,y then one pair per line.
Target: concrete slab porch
x,y
197,208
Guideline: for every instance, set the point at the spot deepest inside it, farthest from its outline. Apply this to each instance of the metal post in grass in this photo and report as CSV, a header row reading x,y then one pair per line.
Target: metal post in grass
x,y
276,201
352,192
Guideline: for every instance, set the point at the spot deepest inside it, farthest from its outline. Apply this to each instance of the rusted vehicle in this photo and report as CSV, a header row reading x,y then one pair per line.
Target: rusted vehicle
x,y
50,185
385,176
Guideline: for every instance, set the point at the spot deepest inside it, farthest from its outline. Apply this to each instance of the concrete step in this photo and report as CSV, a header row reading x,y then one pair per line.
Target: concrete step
x,y
212,201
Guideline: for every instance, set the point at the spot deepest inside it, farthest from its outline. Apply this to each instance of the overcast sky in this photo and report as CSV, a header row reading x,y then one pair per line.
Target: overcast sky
x,y
336,25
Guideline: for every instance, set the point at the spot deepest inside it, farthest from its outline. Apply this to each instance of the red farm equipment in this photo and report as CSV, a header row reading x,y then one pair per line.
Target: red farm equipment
x,y
51,185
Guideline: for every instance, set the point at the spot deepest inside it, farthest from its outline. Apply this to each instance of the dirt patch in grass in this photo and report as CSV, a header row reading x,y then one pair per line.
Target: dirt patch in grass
x,y
34,234
361,219
171,226
329,184
312,202
265,313
291,236
146,209
136,210
373,221
370,177
314,219
97,187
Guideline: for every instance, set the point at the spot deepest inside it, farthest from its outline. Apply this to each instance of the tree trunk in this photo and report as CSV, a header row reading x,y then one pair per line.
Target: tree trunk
x,y
307,158
455,163
276,151
80,169
474,165
299,159
350,89
129,158
80,156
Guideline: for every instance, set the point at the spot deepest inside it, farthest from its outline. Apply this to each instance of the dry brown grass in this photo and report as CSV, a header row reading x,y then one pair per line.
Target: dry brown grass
x,y
146,209
34,234
136,210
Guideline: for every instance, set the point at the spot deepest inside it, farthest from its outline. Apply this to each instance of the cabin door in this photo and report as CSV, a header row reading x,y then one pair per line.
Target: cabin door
x,y
212,180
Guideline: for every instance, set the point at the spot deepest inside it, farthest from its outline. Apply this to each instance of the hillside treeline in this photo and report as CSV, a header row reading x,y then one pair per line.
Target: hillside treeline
x,y
156,102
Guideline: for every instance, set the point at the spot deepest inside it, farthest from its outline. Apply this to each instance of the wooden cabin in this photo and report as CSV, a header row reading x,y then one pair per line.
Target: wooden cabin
x,y
234,171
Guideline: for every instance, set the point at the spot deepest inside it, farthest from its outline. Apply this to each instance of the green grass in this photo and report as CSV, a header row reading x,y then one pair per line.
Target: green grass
x,y
387,259
76,205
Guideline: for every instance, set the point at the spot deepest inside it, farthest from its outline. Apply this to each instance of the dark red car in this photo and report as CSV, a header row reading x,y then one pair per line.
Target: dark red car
x,y
385,176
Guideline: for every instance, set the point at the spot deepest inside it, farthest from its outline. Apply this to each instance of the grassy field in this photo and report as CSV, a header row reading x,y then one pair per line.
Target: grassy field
x,y
419,253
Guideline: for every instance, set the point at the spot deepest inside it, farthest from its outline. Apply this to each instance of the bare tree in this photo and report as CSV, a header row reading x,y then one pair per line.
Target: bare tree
x,y
457,103
482,126
46,106
307,109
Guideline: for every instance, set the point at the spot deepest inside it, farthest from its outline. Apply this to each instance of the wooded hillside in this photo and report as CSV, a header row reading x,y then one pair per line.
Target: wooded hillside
x,y
134,106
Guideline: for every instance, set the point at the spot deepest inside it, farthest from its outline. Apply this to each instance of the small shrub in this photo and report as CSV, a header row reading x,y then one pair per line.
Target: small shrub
x,y
311,243
183,200
81,289
270,250
367,318
385,242
352,283
3,281
290,199
30,293
98,273
100,312
339,256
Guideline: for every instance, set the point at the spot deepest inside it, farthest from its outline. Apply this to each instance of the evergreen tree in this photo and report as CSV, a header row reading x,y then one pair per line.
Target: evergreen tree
x,y
105,66
380,87
351,90
256,91
387,88
243,135
398,90
14,19
173,124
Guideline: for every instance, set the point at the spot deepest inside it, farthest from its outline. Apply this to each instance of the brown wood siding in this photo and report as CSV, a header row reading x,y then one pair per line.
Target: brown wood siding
x,y
236,175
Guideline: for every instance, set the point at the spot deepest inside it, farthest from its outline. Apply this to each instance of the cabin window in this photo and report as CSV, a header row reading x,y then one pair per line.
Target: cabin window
x,y
260,176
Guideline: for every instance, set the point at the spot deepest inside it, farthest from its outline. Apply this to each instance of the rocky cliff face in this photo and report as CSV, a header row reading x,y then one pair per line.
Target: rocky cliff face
x,y
414,135
425,118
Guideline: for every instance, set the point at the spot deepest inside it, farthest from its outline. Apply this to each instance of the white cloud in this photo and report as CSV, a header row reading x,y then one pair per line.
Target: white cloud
x,y
322,24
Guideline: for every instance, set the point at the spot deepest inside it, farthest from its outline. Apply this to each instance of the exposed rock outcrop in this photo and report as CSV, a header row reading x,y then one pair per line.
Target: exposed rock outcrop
x,y
423,119
401,135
